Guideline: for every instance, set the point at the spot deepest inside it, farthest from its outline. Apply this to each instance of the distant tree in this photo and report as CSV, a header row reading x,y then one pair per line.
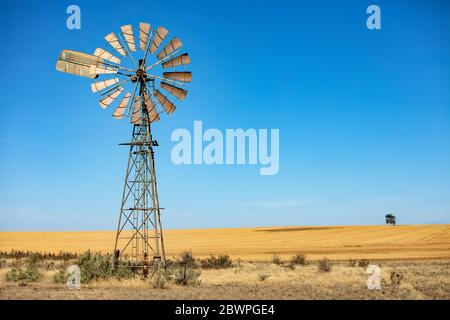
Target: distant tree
x,y
390,219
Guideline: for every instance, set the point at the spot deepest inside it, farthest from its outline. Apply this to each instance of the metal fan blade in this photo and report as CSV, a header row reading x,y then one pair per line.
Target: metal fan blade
x,y
129,38
167,105
175,91
114,42
136,115
106,101
173,45
77,63
151,108
102,53
100,70
97,86
177,61
120,111
160,34
144,31
185,76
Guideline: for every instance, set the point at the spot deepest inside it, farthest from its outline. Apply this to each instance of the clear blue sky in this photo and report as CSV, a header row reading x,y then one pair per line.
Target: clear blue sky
x,y
364,116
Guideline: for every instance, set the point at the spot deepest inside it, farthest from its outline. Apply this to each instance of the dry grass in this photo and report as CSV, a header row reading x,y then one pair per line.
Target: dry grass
x,y
260,244
421,280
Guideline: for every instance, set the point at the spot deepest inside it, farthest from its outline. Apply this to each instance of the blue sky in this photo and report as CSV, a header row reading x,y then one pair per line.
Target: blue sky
x,y
364,116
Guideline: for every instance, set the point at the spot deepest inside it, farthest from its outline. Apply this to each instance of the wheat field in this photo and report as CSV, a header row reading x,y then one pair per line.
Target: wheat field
x,y
412,242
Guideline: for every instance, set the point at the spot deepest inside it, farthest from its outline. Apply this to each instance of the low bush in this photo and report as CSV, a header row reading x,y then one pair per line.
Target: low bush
x,y
187,276
363,263
186,259
158,282
219,262
35,259
351,263
325,265
396,278
94,266
23,276
290,266
125,270
263,276
18,254
299,258
276,260
60,277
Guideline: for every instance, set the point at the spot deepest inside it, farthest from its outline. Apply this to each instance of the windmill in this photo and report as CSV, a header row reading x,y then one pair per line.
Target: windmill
x,y
141,88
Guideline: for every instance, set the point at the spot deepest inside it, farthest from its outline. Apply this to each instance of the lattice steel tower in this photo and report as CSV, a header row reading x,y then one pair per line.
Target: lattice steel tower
x,y
139,232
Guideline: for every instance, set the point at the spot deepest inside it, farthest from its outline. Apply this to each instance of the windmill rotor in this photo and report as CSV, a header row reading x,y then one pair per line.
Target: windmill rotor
x,y
160,69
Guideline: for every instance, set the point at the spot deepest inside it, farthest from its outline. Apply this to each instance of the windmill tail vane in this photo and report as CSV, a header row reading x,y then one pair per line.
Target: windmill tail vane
x,y
140,88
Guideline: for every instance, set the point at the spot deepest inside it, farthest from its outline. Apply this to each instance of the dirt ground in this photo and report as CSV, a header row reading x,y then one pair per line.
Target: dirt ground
x,y
421,280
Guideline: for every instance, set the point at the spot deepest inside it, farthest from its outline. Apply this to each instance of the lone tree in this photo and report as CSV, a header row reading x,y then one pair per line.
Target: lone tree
x,y
390,219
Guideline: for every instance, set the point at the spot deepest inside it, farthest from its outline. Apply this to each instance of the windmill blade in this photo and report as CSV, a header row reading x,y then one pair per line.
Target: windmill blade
x,y
173,45
151,108
97,86
136,115
167,105
185,76
160,34
102,53
114,42
127,31
120,111
77,63
106,101
177,61
144,31
101,70
175,91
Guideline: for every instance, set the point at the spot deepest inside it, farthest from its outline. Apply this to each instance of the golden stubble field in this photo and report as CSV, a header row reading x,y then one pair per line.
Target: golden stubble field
x,y
413,242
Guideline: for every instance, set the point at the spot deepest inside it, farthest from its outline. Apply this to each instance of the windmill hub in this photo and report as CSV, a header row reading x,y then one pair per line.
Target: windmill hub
x,y
141,73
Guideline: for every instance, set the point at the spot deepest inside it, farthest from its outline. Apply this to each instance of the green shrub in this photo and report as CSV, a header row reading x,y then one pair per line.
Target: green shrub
x,y
23,276
187,276
34,259
186,259
126,271
18,254
299,258
94,266
161,278
60,277
213,262
324,265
